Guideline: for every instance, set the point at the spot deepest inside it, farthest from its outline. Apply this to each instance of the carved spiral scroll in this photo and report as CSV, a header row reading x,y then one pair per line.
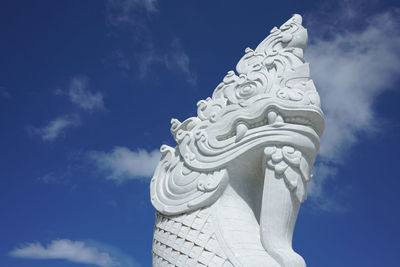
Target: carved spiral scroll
x,y
175,188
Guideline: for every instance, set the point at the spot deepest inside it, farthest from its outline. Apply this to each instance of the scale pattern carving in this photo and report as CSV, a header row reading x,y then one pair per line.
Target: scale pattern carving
x,y
187,240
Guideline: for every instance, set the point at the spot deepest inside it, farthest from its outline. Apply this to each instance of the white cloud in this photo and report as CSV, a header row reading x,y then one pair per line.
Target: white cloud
x,y
56,127
122,164
350,70
79,94
323,172
65,249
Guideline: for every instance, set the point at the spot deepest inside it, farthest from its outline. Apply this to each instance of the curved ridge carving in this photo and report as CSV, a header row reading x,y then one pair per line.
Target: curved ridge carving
x,y
176,188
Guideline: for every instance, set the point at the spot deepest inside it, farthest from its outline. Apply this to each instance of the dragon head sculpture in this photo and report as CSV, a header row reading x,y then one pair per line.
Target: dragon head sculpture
x,y
268,111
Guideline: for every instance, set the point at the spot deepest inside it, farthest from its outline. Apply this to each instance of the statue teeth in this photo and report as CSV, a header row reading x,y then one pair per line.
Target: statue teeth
x,y
241,130
279,119
274,117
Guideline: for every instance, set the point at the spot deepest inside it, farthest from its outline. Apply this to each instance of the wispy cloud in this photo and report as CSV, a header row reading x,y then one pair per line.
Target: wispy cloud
x,y
146,60
120,59
79,94
65,249
129,11
351,68
54,178
131,18
4,92
177,60
122,164
56,127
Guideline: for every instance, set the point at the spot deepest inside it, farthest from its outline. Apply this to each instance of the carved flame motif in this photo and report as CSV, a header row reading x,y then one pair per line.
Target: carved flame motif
x,y
267,113
288,163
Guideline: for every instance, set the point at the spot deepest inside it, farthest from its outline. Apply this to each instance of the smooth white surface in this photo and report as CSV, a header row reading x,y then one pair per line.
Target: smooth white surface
x,y
230,192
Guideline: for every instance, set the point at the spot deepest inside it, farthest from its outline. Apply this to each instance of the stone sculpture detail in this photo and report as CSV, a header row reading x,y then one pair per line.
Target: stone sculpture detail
x,y
229,193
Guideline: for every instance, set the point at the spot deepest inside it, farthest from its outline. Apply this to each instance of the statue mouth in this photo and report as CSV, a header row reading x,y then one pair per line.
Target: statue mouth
x,y
272,118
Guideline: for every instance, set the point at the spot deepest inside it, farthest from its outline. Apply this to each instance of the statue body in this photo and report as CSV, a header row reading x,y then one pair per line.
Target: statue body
x,y
229,193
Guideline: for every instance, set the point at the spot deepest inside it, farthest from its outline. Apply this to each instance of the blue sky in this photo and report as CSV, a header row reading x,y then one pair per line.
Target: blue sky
x,y
87,91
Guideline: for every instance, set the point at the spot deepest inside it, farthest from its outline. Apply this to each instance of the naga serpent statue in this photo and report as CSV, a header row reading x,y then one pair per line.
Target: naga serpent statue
x,y
229,193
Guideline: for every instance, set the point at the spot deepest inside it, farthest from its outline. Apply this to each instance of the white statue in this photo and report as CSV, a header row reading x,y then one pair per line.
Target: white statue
x,y
229,193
